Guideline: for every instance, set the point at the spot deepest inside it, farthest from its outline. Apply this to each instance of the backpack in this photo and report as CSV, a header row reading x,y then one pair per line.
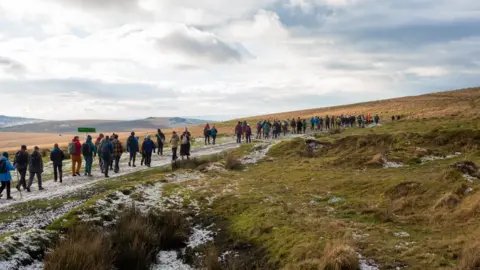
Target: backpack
x,y
21,158
72,149
3,166
36,159
86,151
105,147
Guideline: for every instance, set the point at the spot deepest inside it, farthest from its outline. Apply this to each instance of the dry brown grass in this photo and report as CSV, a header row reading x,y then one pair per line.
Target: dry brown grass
x,y
232,162
449,200
82,249
470,257
338,255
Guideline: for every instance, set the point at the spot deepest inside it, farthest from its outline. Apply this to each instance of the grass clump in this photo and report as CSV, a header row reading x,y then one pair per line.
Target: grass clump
x,y
232,162
470,257
337,255
82,249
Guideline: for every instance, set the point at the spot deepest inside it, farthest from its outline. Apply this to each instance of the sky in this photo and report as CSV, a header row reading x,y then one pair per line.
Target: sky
x,y
131,59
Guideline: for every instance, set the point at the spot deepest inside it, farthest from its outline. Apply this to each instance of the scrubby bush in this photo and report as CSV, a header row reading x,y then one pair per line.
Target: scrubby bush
x,y
232,162
337,255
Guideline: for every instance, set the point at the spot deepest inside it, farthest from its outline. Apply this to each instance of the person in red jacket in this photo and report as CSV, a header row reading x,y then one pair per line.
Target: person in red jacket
x,y
238,132
76,157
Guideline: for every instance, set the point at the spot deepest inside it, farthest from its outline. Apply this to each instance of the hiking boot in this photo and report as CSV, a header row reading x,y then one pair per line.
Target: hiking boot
x,y
74,175
134,165
28,189
41,188
106,176
85,174
129,165
18,188
78,174
9,198
89,175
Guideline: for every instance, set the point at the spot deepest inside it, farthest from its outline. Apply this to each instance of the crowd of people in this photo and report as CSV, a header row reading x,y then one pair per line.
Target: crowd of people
x,y
267,129
109,149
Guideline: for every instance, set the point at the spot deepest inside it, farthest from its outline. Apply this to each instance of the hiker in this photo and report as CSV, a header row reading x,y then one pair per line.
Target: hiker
x,y
21,163
278,128
299,126
5,176
185,143
244,126
98,141
214,133
285,127
259,130
248,133
239,132
57,156
393,117
35,167
266,129
148,147
74,149
327,122
106,149
88,150
160,141
312,123
118,150
132,149
304,126
377,119
207,133
293,124
332,121
398,117
174,142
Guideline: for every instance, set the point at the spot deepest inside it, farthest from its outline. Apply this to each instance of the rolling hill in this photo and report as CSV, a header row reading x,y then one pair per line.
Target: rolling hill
x,y
11,121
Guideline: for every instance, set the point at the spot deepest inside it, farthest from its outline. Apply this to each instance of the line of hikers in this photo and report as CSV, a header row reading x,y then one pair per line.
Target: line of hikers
x,y
109,150
273,129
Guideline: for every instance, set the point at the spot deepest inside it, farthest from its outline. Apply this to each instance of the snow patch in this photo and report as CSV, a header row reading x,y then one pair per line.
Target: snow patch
x,y
200,236
401,234
390,164
168,260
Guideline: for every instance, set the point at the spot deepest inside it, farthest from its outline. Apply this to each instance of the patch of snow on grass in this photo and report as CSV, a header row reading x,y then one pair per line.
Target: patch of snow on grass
x,y
391,164
401,234
199,237
168,260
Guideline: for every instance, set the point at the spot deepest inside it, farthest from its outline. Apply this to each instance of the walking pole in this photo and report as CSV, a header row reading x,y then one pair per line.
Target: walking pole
x,y
18,182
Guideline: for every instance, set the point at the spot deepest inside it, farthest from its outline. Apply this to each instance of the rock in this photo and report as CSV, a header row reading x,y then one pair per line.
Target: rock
x,y
467,167
335,200
468,191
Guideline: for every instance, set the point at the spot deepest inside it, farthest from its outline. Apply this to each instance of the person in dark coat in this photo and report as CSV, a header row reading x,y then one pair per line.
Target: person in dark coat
x,y
35,167
21,163
148,147
57,156
160,141
132,148
248,133
185,144
213,133
299,126
106,148
207,132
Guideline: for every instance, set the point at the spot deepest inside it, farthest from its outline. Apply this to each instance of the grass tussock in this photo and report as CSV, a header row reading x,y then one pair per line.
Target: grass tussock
x,y
449,200
132,244
232,161
83,249
338,255
470,257
404,189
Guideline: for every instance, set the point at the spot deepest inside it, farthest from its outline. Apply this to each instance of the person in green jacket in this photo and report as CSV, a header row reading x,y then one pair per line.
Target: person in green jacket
x,y
88,151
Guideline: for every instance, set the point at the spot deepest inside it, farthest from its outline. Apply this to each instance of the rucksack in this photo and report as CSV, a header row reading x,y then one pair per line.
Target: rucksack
x,y
72,149
86,151
3,166
36,159
21,158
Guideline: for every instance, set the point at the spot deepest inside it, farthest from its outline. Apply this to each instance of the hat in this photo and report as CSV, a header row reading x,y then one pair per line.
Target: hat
x,y
5,154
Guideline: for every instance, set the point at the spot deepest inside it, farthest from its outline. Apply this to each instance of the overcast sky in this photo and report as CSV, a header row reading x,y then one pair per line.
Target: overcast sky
x,y
129,59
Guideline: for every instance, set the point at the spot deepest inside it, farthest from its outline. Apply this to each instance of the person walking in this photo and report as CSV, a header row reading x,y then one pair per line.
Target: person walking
x,y
98,141
185,144
248,133
21,163
132,149
160,141
266,129
327,123
174,143
293,124
239,132
299,126
35,167
117,152
285,127
259,130
5,175
214,133
207,132
148,146
106,149
75,151
244,126
57,156
304,126
377,119
88,151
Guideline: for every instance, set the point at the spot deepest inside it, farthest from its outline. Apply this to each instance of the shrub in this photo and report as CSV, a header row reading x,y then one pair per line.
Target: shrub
x,y
232,162
81,249
338,255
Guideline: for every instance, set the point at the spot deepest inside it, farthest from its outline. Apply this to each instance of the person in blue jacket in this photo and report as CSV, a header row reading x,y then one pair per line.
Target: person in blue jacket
x,y
148,147
5,176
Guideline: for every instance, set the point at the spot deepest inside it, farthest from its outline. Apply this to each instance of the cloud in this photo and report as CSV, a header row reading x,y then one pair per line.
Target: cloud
x,y
195,43
11,66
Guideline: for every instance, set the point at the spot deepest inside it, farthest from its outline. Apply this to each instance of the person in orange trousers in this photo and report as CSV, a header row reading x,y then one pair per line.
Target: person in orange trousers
x,y
76,157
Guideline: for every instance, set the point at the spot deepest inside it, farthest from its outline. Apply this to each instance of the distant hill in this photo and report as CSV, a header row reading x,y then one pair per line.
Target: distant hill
x,y
9,121
71,126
